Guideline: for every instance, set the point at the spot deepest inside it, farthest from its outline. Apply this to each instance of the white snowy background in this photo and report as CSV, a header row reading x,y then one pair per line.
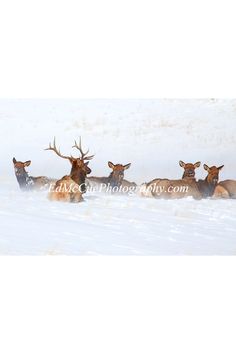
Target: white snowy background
x,y
151,134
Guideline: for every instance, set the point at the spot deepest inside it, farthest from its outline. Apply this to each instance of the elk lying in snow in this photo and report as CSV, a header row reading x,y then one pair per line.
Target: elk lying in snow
x,y
71,188
115,179
189,169
27,182
208,185
173,189
225,189
176,189
170,189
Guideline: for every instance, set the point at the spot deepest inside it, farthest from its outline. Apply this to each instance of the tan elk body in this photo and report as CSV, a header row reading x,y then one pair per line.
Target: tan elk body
x,y
174,189
187,187
225,189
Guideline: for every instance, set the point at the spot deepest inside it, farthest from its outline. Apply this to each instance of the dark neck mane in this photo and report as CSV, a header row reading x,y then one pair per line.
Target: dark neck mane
x,y
206,188
78,176
25,181
113,181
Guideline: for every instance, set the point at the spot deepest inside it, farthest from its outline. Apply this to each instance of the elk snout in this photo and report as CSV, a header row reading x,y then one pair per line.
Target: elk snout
x,y
215,180
18,172
191,173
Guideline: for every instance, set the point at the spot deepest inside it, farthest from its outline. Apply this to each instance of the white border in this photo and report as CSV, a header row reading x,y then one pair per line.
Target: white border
x,y
125,49
117,305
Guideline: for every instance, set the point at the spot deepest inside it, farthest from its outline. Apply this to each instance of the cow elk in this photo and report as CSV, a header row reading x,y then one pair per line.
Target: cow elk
x,y
225,189
170,189
187,187
116,178
27,182
208,185
174,189
70,188
189,169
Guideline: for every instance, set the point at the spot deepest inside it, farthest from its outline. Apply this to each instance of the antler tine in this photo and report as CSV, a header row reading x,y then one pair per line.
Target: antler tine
x,y
83,154
89,157
57,151
79,147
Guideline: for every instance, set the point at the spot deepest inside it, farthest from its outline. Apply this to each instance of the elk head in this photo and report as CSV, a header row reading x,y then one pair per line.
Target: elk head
x,y
117,175
213,174
20,172
79,165
189,169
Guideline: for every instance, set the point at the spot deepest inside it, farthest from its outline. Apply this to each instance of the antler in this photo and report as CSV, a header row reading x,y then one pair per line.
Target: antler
x,y
57,151
83,154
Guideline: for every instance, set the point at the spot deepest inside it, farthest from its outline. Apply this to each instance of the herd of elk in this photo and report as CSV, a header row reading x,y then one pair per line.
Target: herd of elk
x,y
71,188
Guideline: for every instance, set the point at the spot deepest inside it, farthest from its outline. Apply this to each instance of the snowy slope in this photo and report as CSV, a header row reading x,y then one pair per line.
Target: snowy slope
x,y
151,134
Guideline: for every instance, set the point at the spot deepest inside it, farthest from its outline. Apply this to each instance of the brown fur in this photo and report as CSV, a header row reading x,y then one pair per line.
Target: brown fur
x,y
189,169
164,189
207,186
71,188
151,189
116,177
225,189
27,182
66,190
75,181
196,189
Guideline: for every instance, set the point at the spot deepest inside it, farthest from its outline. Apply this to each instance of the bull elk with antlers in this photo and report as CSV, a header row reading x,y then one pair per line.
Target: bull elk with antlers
x,y
116,177
27,182
70,188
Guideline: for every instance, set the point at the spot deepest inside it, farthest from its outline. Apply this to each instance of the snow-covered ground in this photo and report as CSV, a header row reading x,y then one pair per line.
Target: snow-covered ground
x,y
151,134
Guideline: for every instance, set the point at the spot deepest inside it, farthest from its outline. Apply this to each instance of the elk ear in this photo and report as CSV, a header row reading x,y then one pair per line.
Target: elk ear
x,y
110,164
182,164
27,163
220,168
14,160
197,164
127,166
206,167
86,163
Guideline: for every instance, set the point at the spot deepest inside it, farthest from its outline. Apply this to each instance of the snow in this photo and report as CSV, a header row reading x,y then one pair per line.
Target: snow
x,y
151,134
